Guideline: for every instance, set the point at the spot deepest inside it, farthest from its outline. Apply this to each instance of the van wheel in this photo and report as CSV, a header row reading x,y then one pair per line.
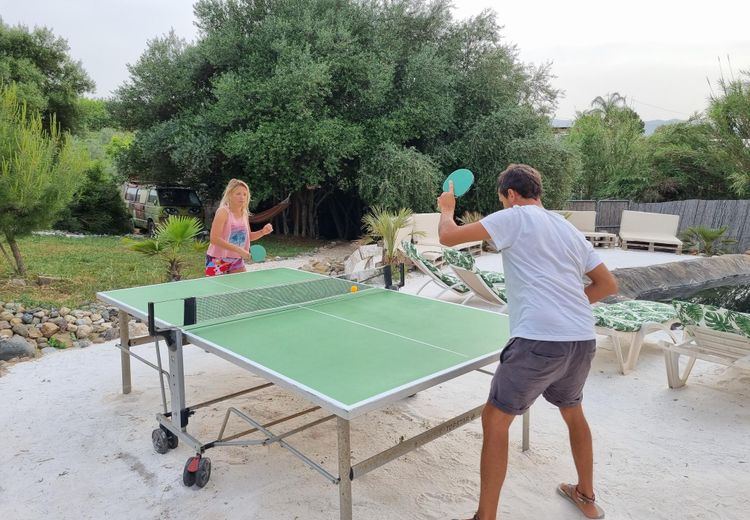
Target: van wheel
x,y
150,228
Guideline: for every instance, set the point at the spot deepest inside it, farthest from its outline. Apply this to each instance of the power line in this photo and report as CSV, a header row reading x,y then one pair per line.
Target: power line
x,y
660,108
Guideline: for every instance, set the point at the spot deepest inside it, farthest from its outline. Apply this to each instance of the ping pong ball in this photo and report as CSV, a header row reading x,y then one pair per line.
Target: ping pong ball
x,y
354,288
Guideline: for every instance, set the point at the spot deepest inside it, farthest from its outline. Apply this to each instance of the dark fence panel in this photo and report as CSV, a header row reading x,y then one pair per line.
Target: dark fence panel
x,y
581,205
609,214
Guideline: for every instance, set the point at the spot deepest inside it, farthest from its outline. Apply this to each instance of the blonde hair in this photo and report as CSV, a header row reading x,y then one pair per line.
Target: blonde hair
x,y
232,185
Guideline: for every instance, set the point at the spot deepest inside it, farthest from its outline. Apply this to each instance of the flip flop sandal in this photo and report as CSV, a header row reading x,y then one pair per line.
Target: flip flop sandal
x,y
475,517
570,491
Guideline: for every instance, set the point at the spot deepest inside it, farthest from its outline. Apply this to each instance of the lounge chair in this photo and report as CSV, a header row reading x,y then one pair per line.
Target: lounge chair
x,y
446,281
650,231
585,222
494,294
426,234
636,318
712,334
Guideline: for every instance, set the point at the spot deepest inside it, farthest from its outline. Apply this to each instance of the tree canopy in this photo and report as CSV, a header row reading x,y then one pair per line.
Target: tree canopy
x,y
325,98
47,78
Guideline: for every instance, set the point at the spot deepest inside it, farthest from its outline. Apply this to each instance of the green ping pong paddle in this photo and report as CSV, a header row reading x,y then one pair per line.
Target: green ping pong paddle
x,y
462,181
258,253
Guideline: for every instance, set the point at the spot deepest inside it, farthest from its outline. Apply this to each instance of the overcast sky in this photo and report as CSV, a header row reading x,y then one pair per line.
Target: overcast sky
x,y
660,54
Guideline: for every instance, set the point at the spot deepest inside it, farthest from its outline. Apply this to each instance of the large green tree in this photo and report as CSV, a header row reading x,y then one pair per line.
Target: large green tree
x,y
729,116
48,80
686,162
609,139
318,97
39,172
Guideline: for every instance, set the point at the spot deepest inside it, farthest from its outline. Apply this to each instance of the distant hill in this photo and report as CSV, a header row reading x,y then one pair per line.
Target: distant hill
x,y
650,126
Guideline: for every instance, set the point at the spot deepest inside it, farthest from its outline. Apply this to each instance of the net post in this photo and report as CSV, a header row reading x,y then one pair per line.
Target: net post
x,y
150,321
189,316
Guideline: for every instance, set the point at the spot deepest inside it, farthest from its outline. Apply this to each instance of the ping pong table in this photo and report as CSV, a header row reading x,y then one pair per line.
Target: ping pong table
x,y
346,347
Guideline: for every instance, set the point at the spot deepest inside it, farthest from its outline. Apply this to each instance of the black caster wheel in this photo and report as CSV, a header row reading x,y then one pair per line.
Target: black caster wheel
x,y
203,473
172,440
188,477
160,440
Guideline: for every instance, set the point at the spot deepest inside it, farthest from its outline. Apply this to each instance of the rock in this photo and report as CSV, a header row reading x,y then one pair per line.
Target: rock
x,y
83,343
49,350
64,311
6,316
70,318
4,324
84,331
111,334
83,321
27,318
14,347
21,330
34,333
6,333
18,282
63,339
71,328
137,329
15,321
96,317
48,329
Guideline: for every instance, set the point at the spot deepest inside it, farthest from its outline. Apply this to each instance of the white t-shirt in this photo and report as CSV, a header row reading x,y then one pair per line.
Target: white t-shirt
x,y
544,259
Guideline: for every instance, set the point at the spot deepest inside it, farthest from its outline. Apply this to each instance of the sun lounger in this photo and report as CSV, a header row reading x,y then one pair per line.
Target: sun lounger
x,y
426,236
494,294
634,318
487,285
650,231
446,281
585,222
712,334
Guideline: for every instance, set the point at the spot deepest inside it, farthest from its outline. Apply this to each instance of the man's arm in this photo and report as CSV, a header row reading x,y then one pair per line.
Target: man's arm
x,y
451,233
603,283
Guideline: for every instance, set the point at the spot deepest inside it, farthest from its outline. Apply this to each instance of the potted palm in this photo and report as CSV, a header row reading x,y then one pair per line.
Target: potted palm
x,y
383,226
172,239
706,241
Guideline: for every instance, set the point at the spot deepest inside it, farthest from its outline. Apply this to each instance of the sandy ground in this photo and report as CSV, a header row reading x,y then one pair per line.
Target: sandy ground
x,y
74,447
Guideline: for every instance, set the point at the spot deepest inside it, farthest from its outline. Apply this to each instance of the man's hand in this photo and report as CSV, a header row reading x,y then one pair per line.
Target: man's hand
x,y
447,200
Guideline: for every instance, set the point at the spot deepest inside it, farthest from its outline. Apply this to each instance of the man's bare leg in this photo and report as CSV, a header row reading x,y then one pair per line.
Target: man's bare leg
x,y
494,462
583,453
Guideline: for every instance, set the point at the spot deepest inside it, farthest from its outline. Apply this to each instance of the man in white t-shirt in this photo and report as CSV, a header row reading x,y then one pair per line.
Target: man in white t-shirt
x,y
551,325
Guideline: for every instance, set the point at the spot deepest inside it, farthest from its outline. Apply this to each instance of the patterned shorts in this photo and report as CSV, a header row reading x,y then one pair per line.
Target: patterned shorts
x,y
216,265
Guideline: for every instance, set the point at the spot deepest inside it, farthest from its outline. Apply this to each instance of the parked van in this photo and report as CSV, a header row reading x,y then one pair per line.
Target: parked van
x,y
150,204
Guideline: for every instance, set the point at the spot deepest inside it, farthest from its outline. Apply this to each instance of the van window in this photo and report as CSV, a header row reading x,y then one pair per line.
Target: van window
x,y
152,197
178,197
131,194
142,195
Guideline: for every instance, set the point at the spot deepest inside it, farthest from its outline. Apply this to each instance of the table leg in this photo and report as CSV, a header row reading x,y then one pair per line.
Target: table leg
x,y
124,320
345,467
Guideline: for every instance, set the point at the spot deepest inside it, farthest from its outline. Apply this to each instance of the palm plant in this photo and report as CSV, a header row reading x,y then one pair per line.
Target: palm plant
x,y
172,239
384,225
706,241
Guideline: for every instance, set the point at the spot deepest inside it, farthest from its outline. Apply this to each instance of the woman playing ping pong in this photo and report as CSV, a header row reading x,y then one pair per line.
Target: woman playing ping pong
x,y
230,232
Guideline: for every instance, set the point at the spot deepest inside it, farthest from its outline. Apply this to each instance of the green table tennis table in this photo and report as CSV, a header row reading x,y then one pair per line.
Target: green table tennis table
x,y
346,347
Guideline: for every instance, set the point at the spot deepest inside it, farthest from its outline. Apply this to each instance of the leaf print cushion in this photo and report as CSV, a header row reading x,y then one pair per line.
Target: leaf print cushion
x,y
629,316
447,278
716,318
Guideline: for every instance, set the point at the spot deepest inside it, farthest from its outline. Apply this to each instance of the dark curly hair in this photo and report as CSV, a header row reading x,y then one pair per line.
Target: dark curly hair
x,y
521,178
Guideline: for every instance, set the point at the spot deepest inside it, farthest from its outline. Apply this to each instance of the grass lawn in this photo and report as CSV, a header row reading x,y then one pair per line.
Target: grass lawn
x,y
82,266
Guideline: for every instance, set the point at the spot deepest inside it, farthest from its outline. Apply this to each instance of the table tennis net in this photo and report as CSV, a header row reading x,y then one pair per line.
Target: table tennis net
x,y
201,309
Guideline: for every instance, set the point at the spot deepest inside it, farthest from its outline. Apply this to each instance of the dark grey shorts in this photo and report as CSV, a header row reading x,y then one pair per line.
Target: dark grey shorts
x,y
530,368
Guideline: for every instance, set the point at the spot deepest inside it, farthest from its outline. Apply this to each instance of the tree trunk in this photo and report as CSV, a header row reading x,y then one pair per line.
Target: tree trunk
x,y
20,267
